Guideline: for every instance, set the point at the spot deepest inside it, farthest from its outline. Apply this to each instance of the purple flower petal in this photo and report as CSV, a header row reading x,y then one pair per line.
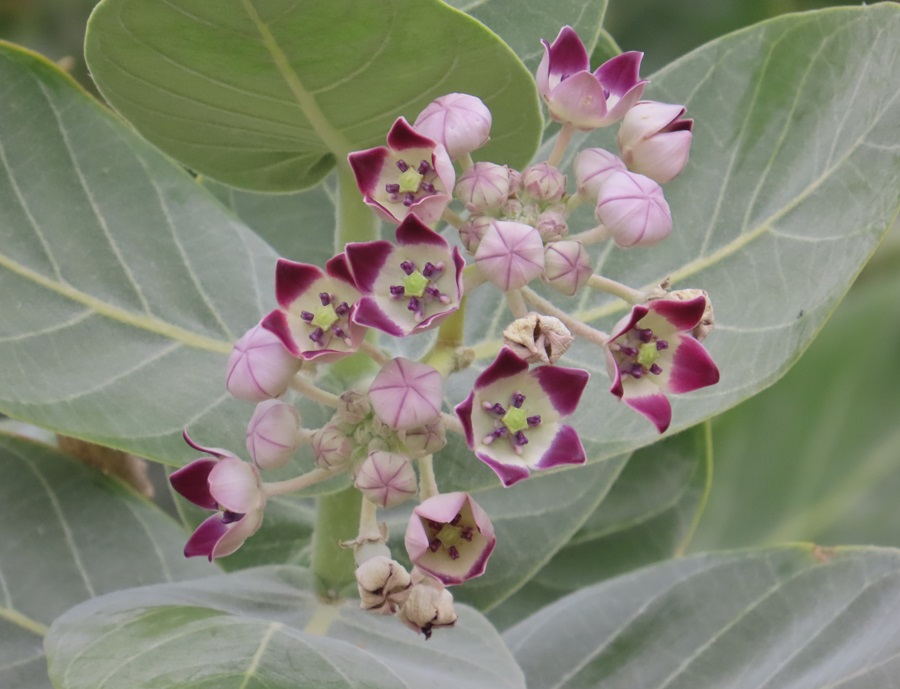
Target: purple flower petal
x,y
621,74
276,322
369,314
216,452
403,136
234,484
566,56
366,260
192,482
505,365
566,448
367,166
580,100
203,540
464,412
507,473
629,321
338,268
682,315
293,279
563,386
655,407
692,366
414,231
237,533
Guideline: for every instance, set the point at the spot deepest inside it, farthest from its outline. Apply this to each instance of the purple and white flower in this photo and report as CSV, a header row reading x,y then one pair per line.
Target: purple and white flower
x,y
314,322
511,417
451,537
222,482
575,95
409,286
651,352
413,174
406,394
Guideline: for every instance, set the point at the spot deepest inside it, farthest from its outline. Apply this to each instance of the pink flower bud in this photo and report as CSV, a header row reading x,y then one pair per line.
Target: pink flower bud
x,y
272,434
459,121
425,440
633,209
259,367
552,225
544,183
387,479
331,448
567,266
406,394
592,167
510,255
483,187
471,232
655,140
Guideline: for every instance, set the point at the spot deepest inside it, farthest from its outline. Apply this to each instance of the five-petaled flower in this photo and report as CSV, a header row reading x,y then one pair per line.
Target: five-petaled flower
x,y
409,286
222,482
511,417
451,537
651,352
575,95
413,174
314,321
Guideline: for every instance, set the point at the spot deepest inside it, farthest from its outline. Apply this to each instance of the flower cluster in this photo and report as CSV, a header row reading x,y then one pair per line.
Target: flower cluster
x,y
385,431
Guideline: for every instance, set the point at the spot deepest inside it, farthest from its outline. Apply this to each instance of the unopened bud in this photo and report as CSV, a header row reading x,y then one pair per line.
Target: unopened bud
x,y
425,440
538,339
633,209
544,183
707,322
273,433
567,266
331,448
383,585
428,606
655,140
510,255
592,168
354,407
483,187
552,225
471,231
462,123
387,479
259,367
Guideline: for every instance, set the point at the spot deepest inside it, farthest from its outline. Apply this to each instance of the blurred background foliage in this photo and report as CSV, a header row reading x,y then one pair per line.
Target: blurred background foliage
x,y
816,456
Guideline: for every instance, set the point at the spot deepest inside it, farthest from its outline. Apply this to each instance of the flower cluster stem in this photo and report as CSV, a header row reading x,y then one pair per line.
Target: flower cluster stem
x,y
306,387
337,518
452,218
562,143
617,289
292,485
355,220
516,303
427,481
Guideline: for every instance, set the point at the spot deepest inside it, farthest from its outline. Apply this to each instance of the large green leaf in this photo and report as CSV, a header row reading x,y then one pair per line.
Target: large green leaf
x,y
265,95
786,196
649,515
68,533
791,618
264,628
817,456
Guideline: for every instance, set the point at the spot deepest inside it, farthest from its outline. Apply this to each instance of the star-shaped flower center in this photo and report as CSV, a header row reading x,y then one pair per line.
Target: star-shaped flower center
x,y
413,183
420,287
637,352
328,320
448,536
510,423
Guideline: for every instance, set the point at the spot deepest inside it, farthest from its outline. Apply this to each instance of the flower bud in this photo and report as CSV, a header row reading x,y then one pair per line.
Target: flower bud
x,y
483,187
354,407
425,440
331,448
707,321
567,266
428,606
510,255
387,479
592,167
406,394
471,231
655,141
552,225
462,123
543,183
273,433
383,585
259,367
515,181
633,209
538,339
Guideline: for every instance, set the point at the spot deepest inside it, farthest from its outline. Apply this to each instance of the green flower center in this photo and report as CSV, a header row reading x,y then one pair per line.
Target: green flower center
x,y
410,180
325,317
647,354
414,284
450,535
515,420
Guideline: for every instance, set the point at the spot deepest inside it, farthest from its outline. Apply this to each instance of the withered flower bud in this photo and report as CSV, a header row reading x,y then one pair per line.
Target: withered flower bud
x,y
537,338
383,585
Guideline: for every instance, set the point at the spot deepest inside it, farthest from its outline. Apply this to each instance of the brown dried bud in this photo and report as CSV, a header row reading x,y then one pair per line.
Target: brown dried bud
x,y
707,322
537,338
383,585
428,605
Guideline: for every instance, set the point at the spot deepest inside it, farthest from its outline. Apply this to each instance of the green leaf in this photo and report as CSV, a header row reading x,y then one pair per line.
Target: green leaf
x,y
790,618
531,20
267,95
649,515
130,282
264,628
68,533
782,203
816,456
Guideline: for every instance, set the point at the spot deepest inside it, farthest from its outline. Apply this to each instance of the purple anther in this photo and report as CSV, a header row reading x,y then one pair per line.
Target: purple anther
x,y
409,199
437,526
306,316
427,186
661,344
637,370
655,369
230,517
392,188
520,439
494,434
424,168
408,267
414,305
533,421
397,291
453,552
466,534
494,408
325,298
628,351
429,269
342,309
455,520
402,165
434,545
318,336
517,399
645,334
338,330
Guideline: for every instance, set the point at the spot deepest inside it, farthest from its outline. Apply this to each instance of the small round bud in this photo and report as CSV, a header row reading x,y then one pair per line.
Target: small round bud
x,y
259,367
383,585
543,183
462,123
483,187
592,167
655,140
471,231
331,448
552,225
273,433
708,321
567,266
406,394
633,209
425,440
428,606
387,479
510,255
538,339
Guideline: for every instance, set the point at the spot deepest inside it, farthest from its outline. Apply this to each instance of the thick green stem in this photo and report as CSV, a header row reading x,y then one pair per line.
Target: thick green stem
x,y
337,519
444,355
355,220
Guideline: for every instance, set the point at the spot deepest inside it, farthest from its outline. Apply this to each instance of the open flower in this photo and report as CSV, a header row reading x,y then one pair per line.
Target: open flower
x,y
221,482
583,99
450,537
511,417
413,174
651,352
409,286
314,321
